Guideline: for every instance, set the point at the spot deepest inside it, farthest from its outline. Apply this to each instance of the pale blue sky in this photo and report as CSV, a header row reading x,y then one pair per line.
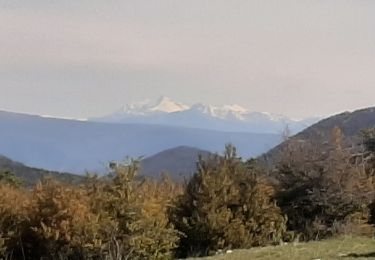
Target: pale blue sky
x,y
86,58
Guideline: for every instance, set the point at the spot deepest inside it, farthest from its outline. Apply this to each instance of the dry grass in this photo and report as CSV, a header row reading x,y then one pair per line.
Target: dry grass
x,y
343,248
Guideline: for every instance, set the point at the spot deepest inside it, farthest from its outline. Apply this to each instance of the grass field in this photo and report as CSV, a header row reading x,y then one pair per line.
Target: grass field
x,y
344,248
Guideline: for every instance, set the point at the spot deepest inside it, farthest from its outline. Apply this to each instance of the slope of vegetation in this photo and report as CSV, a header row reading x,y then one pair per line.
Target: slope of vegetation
x,y
30,176
350,123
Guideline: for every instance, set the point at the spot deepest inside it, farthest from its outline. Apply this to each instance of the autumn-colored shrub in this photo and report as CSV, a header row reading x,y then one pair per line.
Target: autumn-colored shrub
x,y
156,234
61,223
14,205
368,140
137,209
225,205
324,189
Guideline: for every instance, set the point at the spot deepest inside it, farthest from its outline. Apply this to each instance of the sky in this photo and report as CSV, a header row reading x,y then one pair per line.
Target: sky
x,y
88,58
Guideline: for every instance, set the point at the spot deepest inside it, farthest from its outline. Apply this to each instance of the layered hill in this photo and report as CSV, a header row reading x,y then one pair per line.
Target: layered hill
x,y
179,163
30,176
350,123
76,146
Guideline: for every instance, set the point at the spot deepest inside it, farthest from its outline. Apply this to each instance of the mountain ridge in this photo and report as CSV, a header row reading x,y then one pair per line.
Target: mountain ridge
x,y
30,175
178,162
223,118
79,146
350,124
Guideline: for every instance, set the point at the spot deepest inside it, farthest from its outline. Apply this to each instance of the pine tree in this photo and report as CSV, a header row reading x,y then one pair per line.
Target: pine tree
x,y
225,205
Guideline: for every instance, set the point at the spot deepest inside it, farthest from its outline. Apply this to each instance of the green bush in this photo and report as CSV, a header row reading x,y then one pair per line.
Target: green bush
x,y
8,177
225,205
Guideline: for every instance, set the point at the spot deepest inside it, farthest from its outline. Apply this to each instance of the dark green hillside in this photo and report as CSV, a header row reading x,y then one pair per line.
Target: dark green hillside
x,y
350,123
30,175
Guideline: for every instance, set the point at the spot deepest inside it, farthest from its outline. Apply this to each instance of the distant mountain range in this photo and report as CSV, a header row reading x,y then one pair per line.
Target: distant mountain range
x,y
183,160
233,118
178,163
76,146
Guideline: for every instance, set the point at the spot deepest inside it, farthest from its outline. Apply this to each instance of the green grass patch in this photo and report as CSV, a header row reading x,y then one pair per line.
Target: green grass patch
x,y
344,248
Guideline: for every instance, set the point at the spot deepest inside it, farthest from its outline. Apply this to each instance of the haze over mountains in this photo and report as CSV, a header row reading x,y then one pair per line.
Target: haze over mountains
x,y
235,118
76,146
140,130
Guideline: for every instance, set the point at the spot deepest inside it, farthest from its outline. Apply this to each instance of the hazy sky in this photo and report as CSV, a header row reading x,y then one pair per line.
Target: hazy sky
x,y
83,58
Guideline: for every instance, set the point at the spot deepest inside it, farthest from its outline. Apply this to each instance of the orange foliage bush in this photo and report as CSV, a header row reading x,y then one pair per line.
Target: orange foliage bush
x,y
14,205
62,223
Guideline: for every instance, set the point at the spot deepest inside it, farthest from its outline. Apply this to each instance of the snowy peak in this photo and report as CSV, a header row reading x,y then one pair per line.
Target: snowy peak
x,y
137,108
221,112
204,109
235,109
167,105
146,107
235,118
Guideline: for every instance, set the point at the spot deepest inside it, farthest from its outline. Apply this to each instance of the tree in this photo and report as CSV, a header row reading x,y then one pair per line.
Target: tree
x,y
140,228
321,187
225,205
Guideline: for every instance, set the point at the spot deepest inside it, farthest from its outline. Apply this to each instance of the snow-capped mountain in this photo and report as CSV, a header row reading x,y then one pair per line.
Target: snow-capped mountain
x,y
223,112
167,105
236,118
163,105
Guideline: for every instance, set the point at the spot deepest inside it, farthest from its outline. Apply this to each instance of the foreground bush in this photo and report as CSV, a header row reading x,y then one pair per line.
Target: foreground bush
x,y
225,205
62,223
369,157
14,205
140,228
324,189
116,217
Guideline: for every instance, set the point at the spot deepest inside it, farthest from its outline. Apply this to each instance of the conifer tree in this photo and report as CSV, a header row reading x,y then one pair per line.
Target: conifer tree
x,y
226,205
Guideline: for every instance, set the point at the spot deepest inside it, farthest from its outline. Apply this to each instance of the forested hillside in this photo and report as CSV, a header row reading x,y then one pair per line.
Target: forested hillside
x,y
30,176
